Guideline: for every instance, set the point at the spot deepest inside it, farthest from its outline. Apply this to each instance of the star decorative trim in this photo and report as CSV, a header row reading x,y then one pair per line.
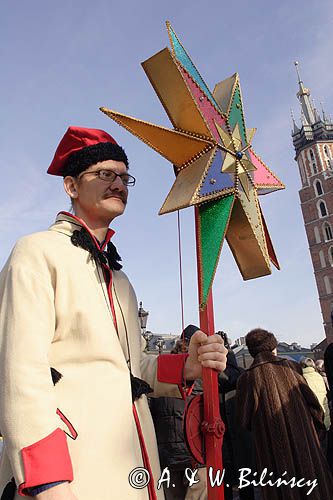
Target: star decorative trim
x,y
211,151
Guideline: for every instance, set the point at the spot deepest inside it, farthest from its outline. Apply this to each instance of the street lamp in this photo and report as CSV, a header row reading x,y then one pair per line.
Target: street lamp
x,y
143,316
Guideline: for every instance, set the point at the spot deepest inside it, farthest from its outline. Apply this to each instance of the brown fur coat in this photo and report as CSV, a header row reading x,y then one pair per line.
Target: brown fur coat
x,y
276,404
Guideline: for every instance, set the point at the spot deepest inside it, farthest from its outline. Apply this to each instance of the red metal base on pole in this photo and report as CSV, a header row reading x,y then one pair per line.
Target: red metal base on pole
x,y
212,426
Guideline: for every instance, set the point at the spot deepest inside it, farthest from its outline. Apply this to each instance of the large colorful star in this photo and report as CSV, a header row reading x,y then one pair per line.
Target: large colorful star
x,y
216,167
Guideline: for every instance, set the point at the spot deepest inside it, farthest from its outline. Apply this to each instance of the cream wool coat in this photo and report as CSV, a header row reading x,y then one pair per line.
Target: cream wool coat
x,y
317,384
55,312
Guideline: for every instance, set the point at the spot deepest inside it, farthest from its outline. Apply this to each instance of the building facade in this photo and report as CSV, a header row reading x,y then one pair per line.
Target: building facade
x,y
313,142
293,351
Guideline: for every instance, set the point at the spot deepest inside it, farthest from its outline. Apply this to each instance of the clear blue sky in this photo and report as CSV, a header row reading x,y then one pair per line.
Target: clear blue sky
x,y
62,60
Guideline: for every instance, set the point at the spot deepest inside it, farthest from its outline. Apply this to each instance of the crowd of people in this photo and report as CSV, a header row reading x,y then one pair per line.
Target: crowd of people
x,y
278,431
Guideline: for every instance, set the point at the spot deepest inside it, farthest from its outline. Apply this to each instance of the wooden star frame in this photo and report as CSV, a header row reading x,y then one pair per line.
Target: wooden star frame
x,y
216,166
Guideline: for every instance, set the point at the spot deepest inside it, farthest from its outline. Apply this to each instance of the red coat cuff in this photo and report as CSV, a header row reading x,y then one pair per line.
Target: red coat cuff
x,y
170,368
46,461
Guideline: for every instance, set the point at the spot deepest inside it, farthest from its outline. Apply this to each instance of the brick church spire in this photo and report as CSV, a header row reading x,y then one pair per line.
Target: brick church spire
x,y
313,142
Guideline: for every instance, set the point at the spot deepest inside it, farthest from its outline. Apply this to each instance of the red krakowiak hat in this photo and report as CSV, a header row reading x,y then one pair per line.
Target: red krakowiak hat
x,y
75,139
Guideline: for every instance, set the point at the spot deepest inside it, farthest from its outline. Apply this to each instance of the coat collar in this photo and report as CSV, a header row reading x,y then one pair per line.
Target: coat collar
x,y
67,223
266,357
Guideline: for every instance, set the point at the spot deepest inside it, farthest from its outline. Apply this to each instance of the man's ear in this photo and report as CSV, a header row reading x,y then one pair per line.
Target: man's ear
x,y
70,186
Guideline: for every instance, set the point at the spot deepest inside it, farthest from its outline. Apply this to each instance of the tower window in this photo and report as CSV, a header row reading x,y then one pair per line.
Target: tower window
x,y
317,235
302,170
327,157
318,188
330,256
313,162
322,210
327,285
322,259
328,232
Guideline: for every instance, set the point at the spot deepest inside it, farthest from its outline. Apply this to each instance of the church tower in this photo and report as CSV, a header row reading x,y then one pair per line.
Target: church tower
x,y
313,142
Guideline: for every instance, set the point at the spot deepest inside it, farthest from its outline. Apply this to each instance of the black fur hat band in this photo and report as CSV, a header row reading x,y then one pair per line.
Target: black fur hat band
x,y
81,160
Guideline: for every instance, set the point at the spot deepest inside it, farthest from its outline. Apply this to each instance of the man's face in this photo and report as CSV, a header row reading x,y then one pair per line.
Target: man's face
x,y
98,198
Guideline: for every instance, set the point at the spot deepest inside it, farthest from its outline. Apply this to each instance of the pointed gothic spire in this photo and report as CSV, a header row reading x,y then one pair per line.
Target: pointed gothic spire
x,y
303,118
316,114
308,111
295,127
325,116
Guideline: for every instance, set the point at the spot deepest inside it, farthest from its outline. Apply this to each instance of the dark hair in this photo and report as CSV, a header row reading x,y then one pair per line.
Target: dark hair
x,y
81,160
225,338
180,346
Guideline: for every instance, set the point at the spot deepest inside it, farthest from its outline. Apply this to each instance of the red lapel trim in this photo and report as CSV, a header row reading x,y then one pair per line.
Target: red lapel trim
x,y
109,233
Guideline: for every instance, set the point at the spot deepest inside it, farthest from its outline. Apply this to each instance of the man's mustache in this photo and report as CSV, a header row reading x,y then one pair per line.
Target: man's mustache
x,y
117,194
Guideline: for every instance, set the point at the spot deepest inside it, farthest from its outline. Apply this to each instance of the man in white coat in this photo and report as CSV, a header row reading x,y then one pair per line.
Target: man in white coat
x,y
74,378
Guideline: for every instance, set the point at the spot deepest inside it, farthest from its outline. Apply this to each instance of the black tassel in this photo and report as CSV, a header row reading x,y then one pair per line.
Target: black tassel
x,y
56,376
139,387
81,238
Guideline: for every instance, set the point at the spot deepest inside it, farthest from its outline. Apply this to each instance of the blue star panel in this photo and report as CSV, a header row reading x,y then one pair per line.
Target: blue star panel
x,y
222,180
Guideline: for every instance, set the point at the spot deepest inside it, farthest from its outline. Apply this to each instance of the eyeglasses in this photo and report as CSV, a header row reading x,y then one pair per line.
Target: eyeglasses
x,y
110,176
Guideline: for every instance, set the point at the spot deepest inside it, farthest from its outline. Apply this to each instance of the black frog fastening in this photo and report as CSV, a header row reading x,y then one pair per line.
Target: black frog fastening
x,y
82,238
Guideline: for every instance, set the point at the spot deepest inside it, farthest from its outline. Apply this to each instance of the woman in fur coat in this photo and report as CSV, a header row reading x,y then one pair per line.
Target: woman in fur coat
x,y
285,418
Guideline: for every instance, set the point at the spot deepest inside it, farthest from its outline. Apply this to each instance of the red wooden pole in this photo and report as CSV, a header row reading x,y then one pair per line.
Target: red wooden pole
x,y
213,426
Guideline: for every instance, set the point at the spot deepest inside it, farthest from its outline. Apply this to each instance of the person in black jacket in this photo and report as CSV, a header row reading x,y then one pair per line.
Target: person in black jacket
x,y
167,414
236,448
